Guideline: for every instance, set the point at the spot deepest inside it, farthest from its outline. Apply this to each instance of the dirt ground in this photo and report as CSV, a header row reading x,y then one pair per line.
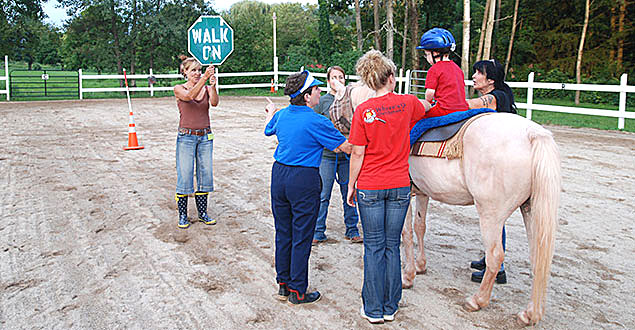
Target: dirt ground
x,y
88,235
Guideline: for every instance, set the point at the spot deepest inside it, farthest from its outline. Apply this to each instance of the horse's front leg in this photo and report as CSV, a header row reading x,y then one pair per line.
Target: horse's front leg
x,y
494,256
408,246
421,211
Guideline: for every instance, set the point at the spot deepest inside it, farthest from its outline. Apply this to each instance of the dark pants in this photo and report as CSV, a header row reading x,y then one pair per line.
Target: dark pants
x,y
295,202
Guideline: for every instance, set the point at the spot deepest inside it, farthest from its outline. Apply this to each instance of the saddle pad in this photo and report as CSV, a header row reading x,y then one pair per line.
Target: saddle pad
x,y
441,133
450,149
437,149
431,122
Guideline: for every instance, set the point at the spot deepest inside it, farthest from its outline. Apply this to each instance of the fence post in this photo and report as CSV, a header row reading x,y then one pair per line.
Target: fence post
x,y
151,85
275,73
407,87
6,74
399,81
81,88
217,80
622,109
530,94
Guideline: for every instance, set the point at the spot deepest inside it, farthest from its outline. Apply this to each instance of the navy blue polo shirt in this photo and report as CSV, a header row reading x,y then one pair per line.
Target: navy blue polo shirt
x,y
302,135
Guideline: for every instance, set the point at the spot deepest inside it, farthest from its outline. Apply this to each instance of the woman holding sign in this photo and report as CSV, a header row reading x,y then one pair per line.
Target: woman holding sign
x,y
195,140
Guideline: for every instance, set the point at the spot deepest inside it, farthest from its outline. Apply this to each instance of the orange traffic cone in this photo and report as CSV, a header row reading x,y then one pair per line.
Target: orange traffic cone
x,y
133,144
273,90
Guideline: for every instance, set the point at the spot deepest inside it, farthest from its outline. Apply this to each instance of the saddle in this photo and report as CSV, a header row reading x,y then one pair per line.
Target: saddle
x,y
444,141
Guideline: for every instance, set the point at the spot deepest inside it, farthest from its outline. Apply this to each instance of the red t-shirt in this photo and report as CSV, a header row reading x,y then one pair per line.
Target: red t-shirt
x,y
383,124
447,80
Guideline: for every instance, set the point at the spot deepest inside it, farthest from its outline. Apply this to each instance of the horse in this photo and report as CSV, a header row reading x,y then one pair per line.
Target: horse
x,y
508,162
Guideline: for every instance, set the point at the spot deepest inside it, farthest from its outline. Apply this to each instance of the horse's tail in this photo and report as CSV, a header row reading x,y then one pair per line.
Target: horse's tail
x,y
545,198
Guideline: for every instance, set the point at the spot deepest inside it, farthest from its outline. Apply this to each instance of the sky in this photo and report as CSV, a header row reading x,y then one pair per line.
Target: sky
x,y
57,16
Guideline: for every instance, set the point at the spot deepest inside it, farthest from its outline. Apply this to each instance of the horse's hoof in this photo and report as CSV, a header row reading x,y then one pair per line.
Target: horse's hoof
x,y
471,305
405,285
524,320
421,272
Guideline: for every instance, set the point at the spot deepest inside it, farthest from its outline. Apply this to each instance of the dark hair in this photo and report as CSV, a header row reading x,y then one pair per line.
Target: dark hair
x,y
441,51
293,83
334,67
494,70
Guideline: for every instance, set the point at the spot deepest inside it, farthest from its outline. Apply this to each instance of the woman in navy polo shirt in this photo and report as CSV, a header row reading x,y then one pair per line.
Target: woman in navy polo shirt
x,y
295,181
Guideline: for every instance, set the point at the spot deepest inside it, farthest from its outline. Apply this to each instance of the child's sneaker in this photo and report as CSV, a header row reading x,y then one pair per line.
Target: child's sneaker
x,y
283,292
296,298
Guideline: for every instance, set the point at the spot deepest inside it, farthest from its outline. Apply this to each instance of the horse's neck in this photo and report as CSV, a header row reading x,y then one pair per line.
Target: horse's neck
x,y
360,94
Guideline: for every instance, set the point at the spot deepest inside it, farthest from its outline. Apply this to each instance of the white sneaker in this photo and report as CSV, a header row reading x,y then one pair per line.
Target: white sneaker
x,y
390,318
372,320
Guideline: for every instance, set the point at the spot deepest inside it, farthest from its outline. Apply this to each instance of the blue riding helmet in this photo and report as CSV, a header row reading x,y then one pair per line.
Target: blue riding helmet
x,y
437,38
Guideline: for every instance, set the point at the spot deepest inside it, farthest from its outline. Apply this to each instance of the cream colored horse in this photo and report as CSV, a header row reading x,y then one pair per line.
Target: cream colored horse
x,y
508,162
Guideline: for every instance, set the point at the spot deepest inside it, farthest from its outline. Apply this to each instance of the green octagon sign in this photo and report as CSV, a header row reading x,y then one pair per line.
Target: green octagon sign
x,y
210,40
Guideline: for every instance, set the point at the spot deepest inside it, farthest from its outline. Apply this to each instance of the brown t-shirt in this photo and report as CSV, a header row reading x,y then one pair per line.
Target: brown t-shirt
x,y
194,114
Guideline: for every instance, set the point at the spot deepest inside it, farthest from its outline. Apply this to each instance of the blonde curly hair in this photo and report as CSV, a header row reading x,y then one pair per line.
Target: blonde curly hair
x,y
374,68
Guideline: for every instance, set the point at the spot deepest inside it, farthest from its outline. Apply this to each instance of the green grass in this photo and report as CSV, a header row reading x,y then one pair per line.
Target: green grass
x,y
576,120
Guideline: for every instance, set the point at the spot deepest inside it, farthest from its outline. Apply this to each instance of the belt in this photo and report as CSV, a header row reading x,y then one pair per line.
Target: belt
x,y
197,132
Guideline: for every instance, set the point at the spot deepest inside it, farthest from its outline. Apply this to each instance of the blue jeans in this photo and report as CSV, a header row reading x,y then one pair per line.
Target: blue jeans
x,y
327,173
382,213
191,148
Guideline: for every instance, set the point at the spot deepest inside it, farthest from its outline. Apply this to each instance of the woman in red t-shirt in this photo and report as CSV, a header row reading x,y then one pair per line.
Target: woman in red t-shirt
x,y
379,181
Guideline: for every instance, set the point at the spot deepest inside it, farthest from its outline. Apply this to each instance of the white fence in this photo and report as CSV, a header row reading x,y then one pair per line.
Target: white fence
x,y
620,113
151,88
5,78
404,84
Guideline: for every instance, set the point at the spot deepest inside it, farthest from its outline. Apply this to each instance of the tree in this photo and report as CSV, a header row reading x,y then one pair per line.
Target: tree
x,y
481,39
620,29
511,38
578,65
358,25
50,40
404,48
414,27
376,32
390,31
465,58
487,44
325,36
25,20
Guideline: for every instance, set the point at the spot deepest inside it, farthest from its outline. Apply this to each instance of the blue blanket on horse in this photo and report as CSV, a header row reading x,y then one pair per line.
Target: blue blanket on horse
x,y
427,123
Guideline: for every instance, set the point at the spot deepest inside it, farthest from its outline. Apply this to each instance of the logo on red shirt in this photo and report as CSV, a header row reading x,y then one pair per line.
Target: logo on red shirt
x,y
370,116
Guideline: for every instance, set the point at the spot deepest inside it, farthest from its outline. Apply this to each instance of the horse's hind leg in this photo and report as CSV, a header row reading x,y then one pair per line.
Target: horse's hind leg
x,y
420,229
491,231
408,246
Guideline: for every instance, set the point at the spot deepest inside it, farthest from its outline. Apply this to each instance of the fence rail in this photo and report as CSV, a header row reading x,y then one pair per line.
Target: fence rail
x,y
405,83
620,113
401,80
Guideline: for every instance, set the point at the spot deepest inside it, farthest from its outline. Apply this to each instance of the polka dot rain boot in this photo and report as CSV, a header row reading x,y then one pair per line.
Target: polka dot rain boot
x,y
181,203
201,206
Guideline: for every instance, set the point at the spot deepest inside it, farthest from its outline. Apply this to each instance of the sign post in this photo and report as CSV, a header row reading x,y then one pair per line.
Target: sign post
x,y
210,40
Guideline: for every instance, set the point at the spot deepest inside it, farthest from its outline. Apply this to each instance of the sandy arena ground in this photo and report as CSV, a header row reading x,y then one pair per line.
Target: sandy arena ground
x,y
88,235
